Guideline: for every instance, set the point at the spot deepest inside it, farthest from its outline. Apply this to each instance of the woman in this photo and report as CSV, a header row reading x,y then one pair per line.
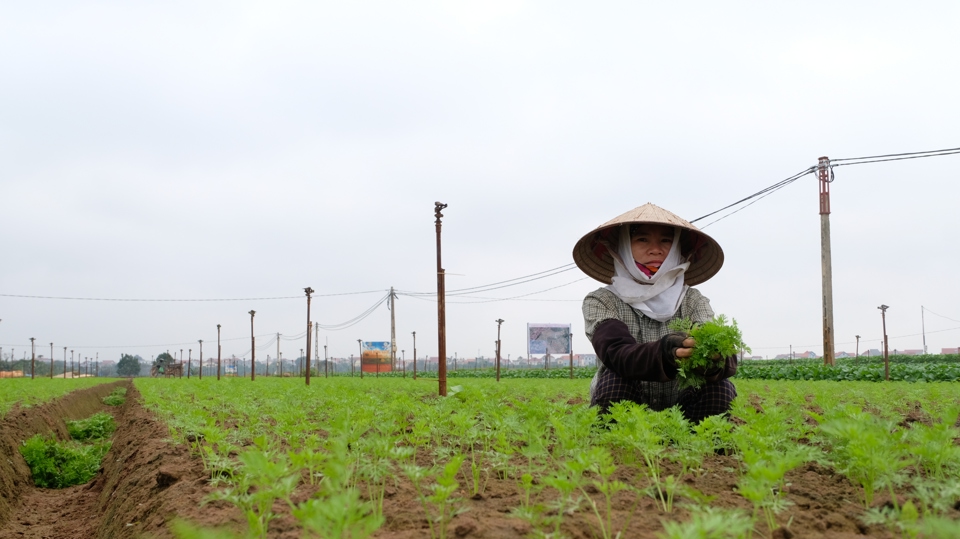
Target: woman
x,y
650,257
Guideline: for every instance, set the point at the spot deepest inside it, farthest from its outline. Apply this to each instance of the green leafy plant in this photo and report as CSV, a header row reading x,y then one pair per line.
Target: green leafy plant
x,y
716,340
98,426
56,464
116,397
709,523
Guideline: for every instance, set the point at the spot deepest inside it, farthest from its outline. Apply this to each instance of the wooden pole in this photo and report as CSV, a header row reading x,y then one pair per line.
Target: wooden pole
x,y
825,174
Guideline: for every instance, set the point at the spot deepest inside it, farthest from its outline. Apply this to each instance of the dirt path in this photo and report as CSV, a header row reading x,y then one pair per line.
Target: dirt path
x,y
143,482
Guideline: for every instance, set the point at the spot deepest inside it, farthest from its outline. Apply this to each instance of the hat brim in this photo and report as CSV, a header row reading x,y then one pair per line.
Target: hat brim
x,y
592,254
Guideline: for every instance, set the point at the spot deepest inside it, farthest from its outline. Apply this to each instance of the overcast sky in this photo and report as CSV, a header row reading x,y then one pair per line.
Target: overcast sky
x,y
226,150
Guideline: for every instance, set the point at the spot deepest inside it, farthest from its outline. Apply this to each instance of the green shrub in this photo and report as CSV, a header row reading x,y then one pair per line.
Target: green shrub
x,y
55,464
116,397
98,426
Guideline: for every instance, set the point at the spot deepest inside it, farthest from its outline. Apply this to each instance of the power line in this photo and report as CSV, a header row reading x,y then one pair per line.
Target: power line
x,y
940,315
495,286
355,320
489,300
893,157
764,192
188,299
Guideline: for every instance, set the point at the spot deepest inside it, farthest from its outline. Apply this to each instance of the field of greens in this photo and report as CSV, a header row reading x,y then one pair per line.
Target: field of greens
x,y
929,368
350,458
30,392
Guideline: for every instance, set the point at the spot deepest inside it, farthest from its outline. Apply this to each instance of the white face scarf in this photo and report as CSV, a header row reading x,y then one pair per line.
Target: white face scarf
x,y
658,296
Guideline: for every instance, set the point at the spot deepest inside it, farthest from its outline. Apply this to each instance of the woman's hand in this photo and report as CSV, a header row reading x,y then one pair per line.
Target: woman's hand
x,y
686,348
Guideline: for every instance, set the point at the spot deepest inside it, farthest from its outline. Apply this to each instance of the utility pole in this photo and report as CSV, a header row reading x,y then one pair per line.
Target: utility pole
x,y
278,358
51,361
360,345
886,343
71,363
218,352
64,361
415,355
571,355
923,328
316,346
858,346
253,349
826,178
499,322
393,331
308,291
201,358
189,361
33,356
441,307
403,362
326,360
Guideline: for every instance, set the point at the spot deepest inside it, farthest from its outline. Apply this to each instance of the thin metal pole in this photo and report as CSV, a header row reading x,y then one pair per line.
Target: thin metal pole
x,y
326,361
923,328
886,343
279,360
571,355
308,291
414,355
499,322
33,356
393,330
360,345
189,361
64,361
826,178
201,358
218,352
253,350
441,308
51,360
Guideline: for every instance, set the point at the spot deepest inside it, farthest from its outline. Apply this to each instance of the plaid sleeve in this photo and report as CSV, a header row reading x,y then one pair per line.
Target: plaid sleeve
x,y
696,306
598,307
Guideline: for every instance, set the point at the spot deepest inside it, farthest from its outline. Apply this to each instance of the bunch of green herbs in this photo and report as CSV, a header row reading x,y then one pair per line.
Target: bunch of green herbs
x,y
716,341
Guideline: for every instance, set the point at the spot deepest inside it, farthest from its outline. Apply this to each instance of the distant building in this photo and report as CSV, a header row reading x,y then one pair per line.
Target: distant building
x,y
948,350
911,352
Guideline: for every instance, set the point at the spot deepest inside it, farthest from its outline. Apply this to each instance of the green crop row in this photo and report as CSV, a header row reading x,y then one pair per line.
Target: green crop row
x,y
30,392
873,372
329,453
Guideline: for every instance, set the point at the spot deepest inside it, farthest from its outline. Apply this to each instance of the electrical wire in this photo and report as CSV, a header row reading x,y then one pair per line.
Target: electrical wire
x,y
494,286
892,157
940,315
357,319
764,192
186,300
489,300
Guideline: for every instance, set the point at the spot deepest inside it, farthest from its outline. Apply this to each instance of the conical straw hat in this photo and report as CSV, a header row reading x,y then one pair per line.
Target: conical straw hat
x,y
592,255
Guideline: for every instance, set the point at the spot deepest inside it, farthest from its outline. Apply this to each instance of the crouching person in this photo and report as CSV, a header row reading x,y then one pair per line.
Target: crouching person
x,y
650,258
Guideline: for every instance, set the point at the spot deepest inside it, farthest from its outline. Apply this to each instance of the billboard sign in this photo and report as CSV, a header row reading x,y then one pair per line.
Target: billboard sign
x,y
375,356
548,339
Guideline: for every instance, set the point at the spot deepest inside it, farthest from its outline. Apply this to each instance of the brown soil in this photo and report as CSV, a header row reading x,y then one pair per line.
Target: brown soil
x,y
146,481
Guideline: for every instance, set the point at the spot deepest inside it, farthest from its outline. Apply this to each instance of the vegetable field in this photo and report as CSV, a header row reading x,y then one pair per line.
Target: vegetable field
x,y
529,458
29,392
